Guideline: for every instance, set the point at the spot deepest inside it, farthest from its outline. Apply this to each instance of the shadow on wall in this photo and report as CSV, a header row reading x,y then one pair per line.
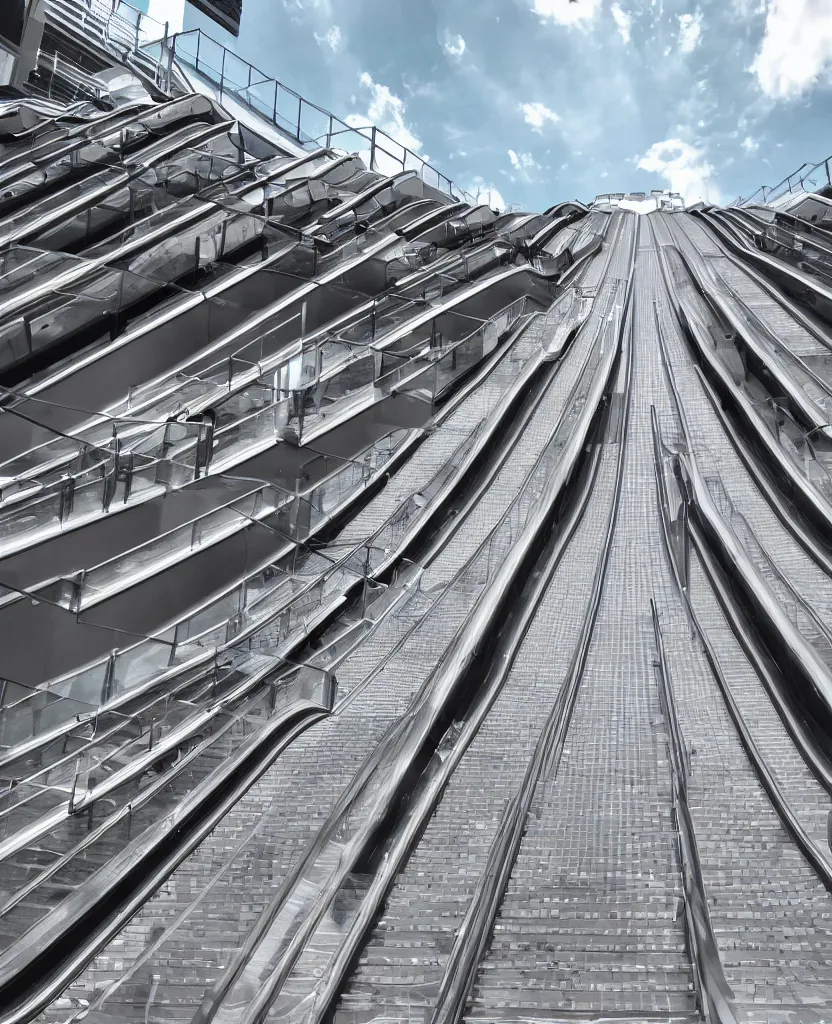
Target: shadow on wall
x,y
12,14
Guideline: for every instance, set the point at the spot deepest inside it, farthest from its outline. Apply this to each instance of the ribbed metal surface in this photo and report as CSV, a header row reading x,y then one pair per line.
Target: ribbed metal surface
x,y
437,628
767,905
402,964
590,922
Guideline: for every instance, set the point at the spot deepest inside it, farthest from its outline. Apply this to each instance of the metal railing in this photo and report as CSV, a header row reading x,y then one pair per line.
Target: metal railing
x,y
816,176
132,458
145,42
264,609
290,515
295,116
131,24
141,40
120,28
285,596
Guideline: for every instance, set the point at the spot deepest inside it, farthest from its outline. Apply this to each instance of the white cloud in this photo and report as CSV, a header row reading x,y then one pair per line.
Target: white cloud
x,y
537,114
522,161
624,21
743,9
690,29
485,193
386,111
321,9
454,46
750,145
524,164
332,39
318,9
796,48
683,166
566,12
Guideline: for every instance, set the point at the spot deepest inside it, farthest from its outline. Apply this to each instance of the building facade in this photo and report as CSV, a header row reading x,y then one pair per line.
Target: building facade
x,y
226,13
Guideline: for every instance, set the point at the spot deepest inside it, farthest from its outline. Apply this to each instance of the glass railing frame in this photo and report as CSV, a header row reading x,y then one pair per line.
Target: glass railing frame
x,y
285,399
376,140
178,635
793,182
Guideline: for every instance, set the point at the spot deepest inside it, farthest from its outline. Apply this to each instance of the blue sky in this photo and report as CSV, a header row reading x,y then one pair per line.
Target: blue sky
x,y
544,100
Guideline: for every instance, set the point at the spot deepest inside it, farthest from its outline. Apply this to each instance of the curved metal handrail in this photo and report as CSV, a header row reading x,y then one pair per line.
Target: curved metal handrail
x,y
379,144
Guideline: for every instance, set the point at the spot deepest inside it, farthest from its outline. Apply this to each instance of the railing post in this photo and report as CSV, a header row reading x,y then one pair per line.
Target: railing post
x,y
222,71
300,114
107,686
329,134
373,148
162,80
198,39
274,111
175,644
170,57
